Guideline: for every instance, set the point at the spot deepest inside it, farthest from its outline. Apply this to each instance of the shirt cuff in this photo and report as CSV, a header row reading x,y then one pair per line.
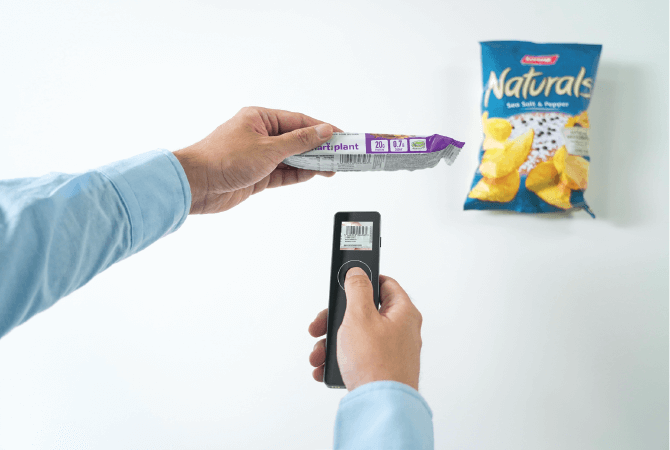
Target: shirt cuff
x,y
384,414
155,193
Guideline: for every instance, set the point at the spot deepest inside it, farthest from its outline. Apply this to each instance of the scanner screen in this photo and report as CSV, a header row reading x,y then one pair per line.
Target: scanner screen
x,y
356,236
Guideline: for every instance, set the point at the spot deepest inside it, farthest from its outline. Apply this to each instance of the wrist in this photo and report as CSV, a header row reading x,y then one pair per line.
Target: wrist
x,y
384,375
191,167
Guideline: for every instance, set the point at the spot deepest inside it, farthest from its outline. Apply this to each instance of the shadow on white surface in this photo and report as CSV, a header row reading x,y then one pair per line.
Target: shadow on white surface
x,y
616,190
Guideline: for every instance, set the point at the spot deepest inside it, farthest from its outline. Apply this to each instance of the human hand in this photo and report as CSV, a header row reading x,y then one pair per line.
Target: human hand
x,y
372,345
244,156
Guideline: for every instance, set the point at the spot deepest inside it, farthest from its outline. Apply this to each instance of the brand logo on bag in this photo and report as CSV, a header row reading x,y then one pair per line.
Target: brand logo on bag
x,y
531,84
541,60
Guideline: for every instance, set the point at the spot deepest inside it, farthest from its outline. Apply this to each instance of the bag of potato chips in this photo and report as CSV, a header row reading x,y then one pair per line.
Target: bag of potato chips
x,y
534,157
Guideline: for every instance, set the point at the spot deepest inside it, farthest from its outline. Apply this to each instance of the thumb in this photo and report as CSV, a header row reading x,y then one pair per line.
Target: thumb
x,y
303,139
360,303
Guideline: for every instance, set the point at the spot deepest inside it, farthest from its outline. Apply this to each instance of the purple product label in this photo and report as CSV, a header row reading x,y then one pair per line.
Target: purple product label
x,y
362,143
393,144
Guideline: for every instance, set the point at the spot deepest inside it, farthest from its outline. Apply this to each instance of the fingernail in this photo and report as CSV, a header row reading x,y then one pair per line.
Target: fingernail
x,y
323,130
354,271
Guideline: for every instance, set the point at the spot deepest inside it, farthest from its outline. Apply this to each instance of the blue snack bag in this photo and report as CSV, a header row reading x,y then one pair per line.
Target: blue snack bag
x,y
534,157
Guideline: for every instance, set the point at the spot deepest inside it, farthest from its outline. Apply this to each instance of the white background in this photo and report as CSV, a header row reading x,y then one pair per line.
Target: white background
x,y
539,332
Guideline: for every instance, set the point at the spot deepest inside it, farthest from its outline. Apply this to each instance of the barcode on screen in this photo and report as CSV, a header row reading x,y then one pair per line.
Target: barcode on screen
x,y
357,231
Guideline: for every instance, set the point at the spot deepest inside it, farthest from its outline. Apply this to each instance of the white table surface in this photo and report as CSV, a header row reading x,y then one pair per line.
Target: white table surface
x,y
539,332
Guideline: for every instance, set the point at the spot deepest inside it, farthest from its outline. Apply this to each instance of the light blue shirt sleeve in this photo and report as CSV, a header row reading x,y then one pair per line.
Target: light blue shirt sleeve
x,y
60,230
384,415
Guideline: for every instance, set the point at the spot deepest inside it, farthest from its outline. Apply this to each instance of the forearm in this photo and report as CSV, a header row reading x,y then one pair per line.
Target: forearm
x,y
59,231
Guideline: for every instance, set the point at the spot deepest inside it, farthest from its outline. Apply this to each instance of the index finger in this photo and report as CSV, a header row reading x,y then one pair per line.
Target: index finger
x,y
319,327
289,121
391,295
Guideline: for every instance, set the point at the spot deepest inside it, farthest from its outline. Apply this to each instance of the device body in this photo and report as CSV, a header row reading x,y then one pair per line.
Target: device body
x,y
356,243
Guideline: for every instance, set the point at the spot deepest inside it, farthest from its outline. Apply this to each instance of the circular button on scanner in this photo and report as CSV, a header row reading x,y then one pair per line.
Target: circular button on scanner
x,y
342,273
